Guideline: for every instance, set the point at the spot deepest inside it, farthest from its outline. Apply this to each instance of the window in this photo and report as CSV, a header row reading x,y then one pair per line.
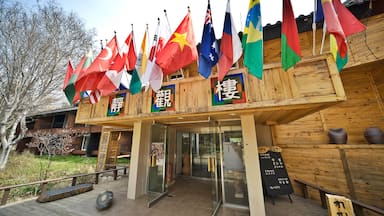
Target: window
x,y
58,121
85,142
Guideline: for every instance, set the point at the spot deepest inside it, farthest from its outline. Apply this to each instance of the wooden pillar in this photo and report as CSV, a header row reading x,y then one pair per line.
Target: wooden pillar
x,y
252,166
171,155
138,169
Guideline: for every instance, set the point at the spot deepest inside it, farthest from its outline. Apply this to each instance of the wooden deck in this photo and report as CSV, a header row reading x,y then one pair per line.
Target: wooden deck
x,y
186,197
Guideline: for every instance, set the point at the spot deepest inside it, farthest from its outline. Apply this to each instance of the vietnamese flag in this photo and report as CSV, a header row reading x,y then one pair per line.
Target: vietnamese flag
x,y
290,43
180,50
334,26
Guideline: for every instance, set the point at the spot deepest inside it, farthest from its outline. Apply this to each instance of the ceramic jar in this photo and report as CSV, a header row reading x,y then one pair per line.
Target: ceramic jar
x,y
337,136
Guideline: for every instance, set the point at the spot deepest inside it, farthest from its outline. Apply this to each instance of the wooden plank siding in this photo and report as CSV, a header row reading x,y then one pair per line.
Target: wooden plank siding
x,y
280,96
323,166
363,108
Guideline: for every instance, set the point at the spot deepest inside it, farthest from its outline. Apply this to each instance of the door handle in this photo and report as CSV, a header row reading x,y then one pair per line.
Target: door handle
x,y
153,160
209,164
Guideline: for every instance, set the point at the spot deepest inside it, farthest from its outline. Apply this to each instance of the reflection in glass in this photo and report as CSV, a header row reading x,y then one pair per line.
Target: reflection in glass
x,y
235,185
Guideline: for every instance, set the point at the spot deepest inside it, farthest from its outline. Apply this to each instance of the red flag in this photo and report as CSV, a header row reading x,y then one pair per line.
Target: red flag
x,y
68,74
334,26
230,46
180,49
348,21
90,78
129,52
290,49
112,78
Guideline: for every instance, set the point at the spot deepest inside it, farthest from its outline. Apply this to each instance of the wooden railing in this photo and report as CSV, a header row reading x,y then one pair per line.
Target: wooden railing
x,y
357,205
44,183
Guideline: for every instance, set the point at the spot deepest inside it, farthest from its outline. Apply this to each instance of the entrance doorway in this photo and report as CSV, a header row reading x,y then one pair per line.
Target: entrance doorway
x,y
215,154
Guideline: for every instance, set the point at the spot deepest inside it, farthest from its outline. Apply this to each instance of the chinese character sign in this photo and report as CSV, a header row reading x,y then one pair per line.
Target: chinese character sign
x,y
229,91
163,99
116,105
339,206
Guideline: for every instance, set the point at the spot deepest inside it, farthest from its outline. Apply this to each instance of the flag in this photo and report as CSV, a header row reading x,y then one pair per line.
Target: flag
x,y
340,62
112,78
348,21
253,40
180,50
153,75
135,84
70,90
129,52
87,63
94,96
69,85
141,63
126,60
318,14
208,55
68,74
230,45
290,43
94,73
334,26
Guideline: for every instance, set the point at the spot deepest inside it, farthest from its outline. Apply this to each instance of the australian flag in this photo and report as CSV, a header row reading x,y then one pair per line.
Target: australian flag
x,y
208,55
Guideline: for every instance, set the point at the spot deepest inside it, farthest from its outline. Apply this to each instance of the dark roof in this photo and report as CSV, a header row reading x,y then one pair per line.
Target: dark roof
x,y
53,112
304,22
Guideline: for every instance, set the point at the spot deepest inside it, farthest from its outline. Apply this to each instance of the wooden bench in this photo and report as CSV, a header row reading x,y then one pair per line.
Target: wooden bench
x,y
56,194
357,205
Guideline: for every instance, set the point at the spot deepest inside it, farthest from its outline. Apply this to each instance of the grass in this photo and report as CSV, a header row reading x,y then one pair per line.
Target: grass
x,y
26,168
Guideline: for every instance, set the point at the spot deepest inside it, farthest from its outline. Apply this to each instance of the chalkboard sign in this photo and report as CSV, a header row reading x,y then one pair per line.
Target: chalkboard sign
x,y
274,174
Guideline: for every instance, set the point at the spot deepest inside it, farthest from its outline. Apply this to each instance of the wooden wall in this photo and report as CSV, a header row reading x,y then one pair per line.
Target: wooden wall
x,y
352,170
357,168
363,108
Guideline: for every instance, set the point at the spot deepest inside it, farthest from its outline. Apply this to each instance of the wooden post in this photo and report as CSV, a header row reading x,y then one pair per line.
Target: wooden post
x,y
347,173
252,166
5,196
304,189
97,178
44,187
74,179
115,174
137,181
323,199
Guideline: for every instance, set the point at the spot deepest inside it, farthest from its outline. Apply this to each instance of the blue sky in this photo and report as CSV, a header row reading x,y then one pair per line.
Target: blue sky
x,y
118,15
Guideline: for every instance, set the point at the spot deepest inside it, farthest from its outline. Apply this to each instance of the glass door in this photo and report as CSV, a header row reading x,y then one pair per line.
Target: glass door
x,y
156,172
214,165
234,178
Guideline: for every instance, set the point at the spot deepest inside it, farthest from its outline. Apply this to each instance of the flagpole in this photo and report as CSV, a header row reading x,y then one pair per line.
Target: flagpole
x,y
133,38
314,29
323,38
169,25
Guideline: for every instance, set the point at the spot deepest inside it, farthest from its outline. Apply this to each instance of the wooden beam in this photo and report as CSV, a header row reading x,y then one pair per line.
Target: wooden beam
x,y
347,173
252,166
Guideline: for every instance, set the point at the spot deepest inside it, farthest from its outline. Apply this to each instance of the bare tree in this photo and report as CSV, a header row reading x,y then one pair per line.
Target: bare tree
x,y
50,144
35,46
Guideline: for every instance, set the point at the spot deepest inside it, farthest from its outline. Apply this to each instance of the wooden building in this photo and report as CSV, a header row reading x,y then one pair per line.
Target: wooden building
x,y
85,138
189,129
